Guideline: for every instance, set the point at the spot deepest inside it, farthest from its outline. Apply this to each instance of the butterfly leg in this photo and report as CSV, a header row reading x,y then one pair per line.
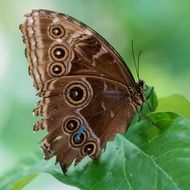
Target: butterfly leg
x,y
150,95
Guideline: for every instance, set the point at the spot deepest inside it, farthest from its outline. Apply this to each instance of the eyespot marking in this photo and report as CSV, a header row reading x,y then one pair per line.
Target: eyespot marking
x,y
76,93
89,149
71,125
76,140
59,53
56,31
56,69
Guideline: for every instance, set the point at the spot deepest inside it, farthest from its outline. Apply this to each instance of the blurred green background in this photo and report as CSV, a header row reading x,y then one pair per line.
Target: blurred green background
x,y
160,28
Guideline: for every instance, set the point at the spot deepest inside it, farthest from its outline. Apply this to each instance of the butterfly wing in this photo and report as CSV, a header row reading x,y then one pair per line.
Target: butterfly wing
x,y
57,42
83,83
102,110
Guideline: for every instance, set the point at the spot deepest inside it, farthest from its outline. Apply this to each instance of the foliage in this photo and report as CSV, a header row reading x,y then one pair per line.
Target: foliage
x,y
175,103
153,154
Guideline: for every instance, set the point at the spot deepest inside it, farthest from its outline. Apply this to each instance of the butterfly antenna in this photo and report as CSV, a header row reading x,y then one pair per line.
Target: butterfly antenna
x,y
138,64
134,59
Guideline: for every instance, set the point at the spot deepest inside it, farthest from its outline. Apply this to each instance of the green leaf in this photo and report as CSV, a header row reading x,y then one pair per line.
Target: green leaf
x,y
152,155
175,103
151,100
23,182
33,164
38,183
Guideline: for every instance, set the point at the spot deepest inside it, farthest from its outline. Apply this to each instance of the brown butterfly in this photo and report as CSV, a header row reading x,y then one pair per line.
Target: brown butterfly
x,y
88,92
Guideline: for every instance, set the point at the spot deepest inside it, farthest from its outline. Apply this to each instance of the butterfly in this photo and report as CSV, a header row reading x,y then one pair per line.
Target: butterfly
x,y
88,93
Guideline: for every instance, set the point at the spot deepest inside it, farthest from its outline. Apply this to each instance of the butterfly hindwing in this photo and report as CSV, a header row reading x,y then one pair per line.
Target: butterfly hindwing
x,y
99,106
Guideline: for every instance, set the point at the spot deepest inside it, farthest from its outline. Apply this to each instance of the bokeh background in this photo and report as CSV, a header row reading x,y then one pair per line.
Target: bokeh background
x,y
161,28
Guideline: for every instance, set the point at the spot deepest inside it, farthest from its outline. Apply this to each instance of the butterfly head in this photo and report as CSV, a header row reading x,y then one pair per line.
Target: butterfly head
x,y
139,95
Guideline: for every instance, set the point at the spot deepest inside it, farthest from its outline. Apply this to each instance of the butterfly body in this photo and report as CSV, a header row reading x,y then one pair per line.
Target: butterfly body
x,y
87,92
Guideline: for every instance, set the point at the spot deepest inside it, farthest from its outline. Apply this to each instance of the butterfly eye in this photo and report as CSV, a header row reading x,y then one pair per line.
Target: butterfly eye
x,y
56,31
71,125
78,140
57,69
89,149
76,94
59,53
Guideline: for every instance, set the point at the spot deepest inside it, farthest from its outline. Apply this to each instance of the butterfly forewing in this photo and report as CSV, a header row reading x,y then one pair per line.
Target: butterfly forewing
x,y
84,50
